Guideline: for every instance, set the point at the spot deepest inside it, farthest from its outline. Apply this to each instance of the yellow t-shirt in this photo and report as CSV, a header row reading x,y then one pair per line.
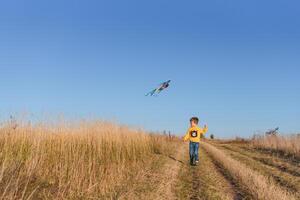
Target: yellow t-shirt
x,y
194,134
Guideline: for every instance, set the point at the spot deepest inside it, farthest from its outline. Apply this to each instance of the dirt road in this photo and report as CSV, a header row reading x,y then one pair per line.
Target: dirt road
x,y
171,176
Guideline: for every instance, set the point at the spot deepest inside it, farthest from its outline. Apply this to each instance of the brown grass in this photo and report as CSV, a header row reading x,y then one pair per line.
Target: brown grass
x,y
88,161
289,145
258,185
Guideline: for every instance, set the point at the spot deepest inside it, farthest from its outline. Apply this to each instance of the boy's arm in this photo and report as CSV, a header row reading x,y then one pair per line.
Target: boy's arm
x,y
205,129
187,136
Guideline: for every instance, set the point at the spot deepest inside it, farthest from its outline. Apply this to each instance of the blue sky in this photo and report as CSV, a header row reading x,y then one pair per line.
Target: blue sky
x,y
235,64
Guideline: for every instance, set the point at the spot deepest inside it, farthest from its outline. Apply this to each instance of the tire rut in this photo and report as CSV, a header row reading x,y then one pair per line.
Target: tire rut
x,y
283,166
284,179
195,185
208,181
238,192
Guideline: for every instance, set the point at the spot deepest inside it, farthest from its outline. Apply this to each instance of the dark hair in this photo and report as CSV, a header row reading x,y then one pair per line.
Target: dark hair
x,y
195,119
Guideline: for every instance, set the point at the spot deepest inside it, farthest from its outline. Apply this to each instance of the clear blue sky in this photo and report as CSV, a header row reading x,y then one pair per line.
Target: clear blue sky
x,y
235,64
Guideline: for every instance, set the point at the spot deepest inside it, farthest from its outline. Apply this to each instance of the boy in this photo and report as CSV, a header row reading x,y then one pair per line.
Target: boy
x,y
193,135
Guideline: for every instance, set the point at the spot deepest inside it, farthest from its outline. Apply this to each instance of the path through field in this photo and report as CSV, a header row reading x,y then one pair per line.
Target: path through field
x,y
206,181
215,178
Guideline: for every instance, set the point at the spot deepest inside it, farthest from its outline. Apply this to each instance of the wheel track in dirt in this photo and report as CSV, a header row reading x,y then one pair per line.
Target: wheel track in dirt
x,y
255,183
195,185
289,158
239,194
284,179
210,181
265,159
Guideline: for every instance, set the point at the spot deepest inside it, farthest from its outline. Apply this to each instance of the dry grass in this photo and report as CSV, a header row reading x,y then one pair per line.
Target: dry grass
x,y
289,145
258,185
84,161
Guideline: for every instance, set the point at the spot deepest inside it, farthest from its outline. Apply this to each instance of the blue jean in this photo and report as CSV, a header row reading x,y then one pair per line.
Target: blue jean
x,y
194,150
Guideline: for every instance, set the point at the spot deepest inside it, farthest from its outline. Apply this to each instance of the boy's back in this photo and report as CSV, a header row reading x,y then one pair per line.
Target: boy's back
x,y
194,134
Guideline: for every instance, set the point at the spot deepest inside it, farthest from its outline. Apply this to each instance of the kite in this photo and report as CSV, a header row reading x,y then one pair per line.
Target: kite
x,y
161,87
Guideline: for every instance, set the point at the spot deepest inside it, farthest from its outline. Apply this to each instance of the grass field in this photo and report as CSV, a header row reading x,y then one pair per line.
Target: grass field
x,y
97,160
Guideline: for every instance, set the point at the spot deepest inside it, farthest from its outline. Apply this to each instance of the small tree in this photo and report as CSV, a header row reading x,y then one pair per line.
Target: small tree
x,y
212,136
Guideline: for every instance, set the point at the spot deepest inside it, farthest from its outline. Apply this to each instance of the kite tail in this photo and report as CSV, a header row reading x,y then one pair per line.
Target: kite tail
x,y
151,93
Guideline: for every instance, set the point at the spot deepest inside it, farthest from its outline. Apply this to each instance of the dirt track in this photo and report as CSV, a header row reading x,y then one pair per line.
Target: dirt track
x,y
174,178
206,181
283,173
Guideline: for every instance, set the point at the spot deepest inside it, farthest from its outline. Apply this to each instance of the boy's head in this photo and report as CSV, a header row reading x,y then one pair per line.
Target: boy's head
x,y
194,121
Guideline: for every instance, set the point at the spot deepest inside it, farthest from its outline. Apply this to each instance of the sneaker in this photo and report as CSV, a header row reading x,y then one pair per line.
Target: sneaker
x,y
194,163
197,162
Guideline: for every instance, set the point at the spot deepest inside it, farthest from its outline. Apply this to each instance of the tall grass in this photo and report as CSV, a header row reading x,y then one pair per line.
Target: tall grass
x,y
258,185
286,144
88,160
